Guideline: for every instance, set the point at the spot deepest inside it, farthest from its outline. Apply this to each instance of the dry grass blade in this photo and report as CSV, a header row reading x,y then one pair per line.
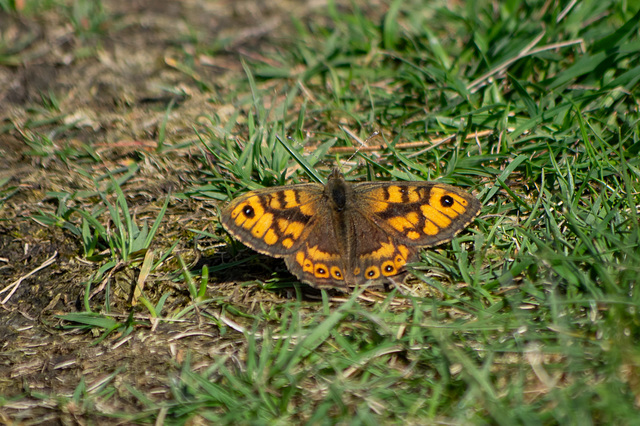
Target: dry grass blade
x,y
14,285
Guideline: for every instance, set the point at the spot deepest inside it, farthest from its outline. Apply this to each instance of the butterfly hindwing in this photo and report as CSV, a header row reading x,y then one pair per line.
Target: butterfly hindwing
x,y
341,257
319,260
377,255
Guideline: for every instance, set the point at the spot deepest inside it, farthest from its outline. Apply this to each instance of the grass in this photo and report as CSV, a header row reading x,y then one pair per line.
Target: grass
x,y
528,317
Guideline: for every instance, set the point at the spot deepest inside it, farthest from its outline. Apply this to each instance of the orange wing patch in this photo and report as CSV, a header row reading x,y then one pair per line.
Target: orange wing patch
x,y
290,230
388,260
315,261
435,216
252,216
409,221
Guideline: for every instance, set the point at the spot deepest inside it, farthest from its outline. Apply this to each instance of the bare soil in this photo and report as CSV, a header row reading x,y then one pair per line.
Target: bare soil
x,y
111,89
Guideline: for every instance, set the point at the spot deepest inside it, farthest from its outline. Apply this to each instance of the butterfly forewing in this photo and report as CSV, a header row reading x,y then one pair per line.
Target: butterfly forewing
x,y
420,214
274,221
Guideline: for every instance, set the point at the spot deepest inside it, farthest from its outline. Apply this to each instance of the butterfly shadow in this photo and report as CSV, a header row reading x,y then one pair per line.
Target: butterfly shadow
x,y
237,268
233,267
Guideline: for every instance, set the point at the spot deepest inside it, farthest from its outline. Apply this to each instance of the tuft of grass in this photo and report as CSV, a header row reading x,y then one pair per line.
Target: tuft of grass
x,y
528,317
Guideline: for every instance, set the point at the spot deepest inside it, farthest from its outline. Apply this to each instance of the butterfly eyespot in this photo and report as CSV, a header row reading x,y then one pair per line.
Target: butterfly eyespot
x,y
307,266
336,273
248,211
388,268
321,271
446,201
372,272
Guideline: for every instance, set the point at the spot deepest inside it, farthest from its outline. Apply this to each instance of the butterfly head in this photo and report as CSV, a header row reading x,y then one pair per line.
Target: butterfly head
x,y
337,190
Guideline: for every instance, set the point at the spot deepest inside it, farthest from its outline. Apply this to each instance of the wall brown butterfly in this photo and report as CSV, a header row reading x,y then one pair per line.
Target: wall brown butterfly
x,y
343,234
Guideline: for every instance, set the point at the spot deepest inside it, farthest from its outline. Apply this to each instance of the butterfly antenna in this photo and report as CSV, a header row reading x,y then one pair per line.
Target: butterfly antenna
x,y
361,143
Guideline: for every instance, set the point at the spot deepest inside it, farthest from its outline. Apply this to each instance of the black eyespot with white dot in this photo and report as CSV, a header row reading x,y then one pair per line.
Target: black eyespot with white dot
x,y
388,268
371,273
446,201
248,211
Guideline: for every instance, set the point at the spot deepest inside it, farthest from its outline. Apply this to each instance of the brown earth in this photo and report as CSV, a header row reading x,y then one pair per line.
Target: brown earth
x,y
111,91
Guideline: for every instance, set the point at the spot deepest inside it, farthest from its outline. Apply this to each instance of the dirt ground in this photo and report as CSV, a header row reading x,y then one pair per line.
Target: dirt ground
x,y
112,92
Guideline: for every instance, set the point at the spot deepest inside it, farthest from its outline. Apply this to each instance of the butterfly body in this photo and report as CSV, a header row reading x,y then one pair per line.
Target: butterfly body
x,y
344,234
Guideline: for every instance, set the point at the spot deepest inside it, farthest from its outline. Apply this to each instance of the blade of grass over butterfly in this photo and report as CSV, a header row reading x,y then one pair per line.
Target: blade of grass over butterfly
x,y
301,161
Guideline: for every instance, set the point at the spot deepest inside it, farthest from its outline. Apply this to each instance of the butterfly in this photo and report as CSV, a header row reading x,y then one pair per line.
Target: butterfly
x,y
344,234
